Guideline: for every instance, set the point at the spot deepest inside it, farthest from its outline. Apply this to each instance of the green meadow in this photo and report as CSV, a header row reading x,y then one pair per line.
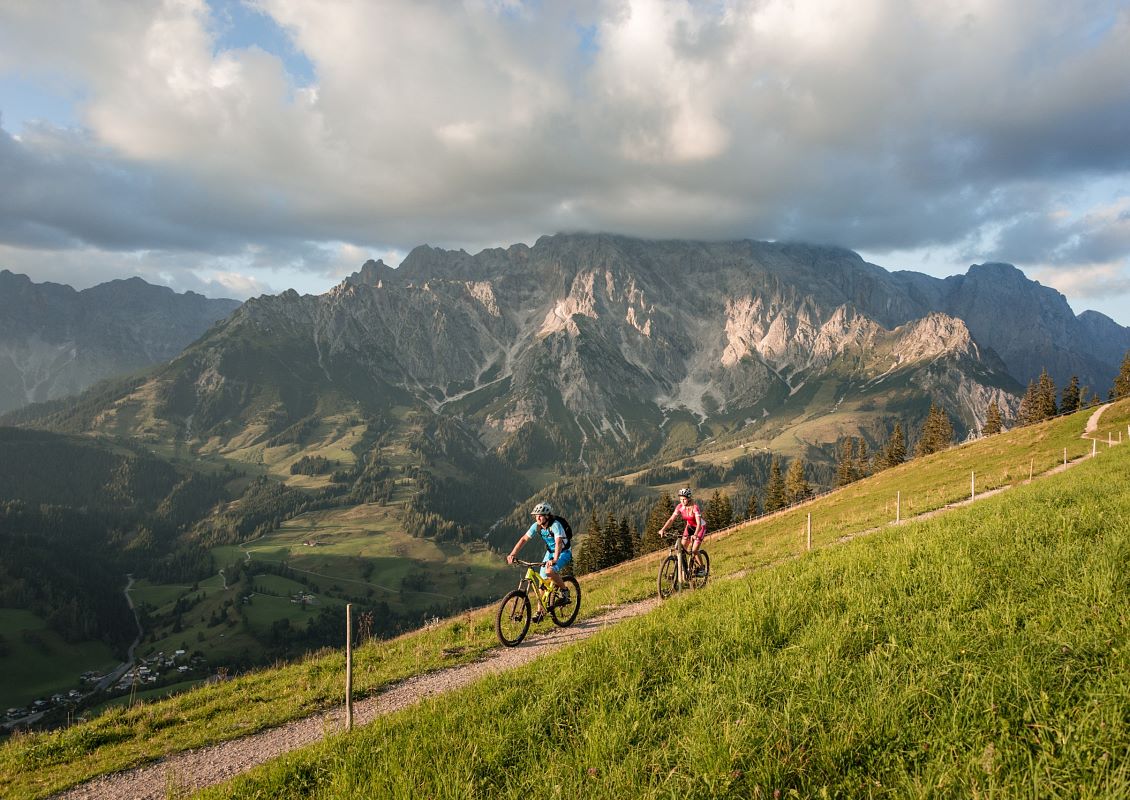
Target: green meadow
x,y
879,666
982,653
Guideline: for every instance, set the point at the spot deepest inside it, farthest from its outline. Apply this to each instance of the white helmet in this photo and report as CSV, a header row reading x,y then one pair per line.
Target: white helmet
x,y
542,508
686,492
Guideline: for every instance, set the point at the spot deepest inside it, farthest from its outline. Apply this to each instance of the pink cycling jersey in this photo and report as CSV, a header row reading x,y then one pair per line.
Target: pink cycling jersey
x,y
688,513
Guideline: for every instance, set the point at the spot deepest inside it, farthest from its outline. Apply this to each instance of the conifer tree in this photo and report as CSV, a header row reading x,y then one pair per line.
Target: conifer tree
x,y
1070,401
659,514
775,488
796,485
992,419
1121,387
719,511
845,462
1045,397
937,432
895,452
862,461
1029,406
751,507
592,549
619,535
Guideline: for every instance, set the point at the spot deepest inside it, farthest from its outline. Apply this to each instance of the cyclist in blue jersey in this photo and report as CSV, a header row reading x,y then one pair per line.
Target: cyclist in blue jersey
x,y
558,550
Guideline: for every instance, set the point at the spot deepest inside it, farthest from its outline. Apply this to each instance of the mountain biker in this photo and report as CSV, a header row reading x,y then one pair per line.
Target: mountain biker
x,y
558,548
695,530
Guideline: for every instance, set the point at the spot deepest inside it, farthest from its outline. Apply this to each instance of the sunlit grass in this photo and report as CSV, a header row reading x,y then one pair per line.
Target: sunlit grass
x,y
37,764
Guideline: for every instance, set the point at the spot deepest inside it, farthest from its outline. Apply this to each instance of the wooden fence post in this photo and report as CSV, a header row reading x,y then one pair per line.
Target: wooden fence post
x,y
349,666
809,530
1065,456
898,506
973,484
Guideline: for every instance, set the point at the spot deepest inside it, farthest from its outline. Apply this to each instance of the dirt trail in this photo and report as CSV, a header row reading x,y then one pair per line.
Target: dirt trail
x,y
207,766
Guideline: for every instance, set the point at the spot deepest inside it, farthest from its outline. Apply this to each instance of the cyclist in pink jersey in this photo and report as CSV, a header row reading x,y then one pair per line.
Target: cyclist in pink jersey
x,y
695,530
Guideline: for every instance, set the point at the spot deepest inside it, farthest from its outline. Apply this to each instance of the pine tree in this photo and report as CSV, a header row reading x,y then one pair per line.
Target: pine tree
x,y
751,508
623,546
895,452
592,548
845,462
1070,400
719,511
660,512
1045,396
796,485
992,419
862,461
1121,387
937,432
775,488
1029,406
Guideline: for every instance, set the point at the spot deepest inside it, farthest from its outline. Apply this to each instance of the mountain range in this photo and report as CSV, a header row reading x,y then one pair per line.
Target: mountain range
x,y
56,341
605,352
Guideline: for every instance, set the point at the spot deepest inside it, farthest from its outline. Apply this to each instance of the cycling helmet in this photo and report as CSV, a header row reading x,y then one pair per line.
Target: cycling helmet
x,y
542,508
686,492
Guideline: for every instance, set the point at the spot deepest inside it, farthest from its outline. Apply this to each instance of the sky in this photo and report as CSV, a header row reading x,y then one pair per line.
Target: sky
x,y
241,147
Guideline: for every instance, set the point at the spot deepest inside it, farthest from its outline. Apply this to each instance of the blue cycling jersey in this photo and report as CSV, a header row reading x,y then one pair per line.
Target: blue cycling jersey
x,y
548,535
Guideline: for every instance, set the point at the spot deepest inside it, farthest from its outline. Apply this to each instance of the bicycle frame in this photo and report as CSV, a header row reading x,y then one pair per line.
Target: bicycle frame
x,y
542,588
535,593
682,576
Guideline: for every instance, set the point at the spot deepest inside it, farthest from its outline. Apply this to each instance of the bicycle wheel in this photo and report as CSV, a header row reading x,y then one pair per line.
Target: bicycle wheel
x,y
564,615
668,577
513,618
697,580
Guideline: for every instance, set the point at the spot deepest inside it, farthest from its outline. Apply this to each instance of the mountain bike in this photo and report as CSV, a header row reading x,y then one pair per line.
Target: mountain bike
x,y
514,617
676,573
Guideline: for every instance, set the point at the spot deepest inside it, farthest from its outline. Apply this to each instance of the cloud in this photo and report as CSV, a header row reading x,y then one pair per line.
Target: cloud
x,y
874,124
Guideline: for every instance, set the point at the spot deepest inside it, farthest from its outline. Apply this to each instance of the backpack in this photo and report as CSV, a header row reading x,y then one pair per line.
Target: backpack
x,y
568,530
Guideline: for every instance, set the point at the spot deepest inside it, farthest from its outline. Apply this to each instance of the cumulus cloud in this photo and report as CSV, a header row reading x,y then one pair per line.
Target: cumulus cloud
x,y
879,125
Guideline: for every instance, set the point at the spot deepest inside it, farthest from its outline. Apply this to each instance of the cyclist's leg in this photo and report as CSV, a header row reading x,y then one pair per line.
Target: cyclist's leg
x,y
553,572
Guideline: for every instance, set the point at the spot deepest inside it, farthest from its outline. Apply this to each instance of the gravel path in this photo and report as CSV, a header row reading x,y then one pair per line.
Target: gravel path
x,y
207,766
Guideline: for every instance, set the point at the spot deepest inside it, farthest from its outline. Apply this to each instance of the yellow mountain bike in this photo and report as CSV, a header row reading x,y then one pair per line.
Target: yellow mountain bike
x,y
514,616
678,571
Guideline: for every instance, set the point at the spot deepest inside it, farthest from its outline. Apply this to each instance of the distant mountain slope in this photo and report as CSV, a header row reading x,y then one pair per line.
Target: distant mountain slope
x,y
55,341
1031,327
600,351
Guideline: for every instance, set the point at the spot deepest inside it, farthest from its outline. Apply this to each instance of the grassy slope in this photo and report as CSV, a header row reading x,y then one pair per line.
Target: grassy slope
x,y
36,765
979,653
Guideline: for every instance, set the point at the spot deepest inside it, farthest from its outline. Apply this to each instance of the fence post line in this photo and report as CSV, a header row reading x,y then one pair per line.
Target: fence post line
x,y
1031,461
973,484
809,530
1065,456
898,506
349,666
1109,443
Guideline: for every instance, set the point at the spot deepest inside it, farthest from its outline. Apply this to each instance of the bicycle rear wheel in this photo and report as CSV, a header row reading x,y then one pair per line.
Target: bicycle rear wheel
x,y
698,581
513,618
668,577
564,615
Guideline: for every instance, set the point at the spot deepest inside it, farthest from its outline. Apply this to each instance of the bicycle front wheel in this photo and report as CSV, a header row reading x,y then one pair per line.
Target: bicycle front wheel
x,y
668,577
701,571
513,618
565,614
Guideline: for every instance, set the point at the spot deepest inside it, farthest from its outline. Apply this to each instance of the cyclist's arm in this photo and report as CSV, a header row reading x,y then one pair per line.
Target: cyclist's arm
x,y
518,546
698,523
670,519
